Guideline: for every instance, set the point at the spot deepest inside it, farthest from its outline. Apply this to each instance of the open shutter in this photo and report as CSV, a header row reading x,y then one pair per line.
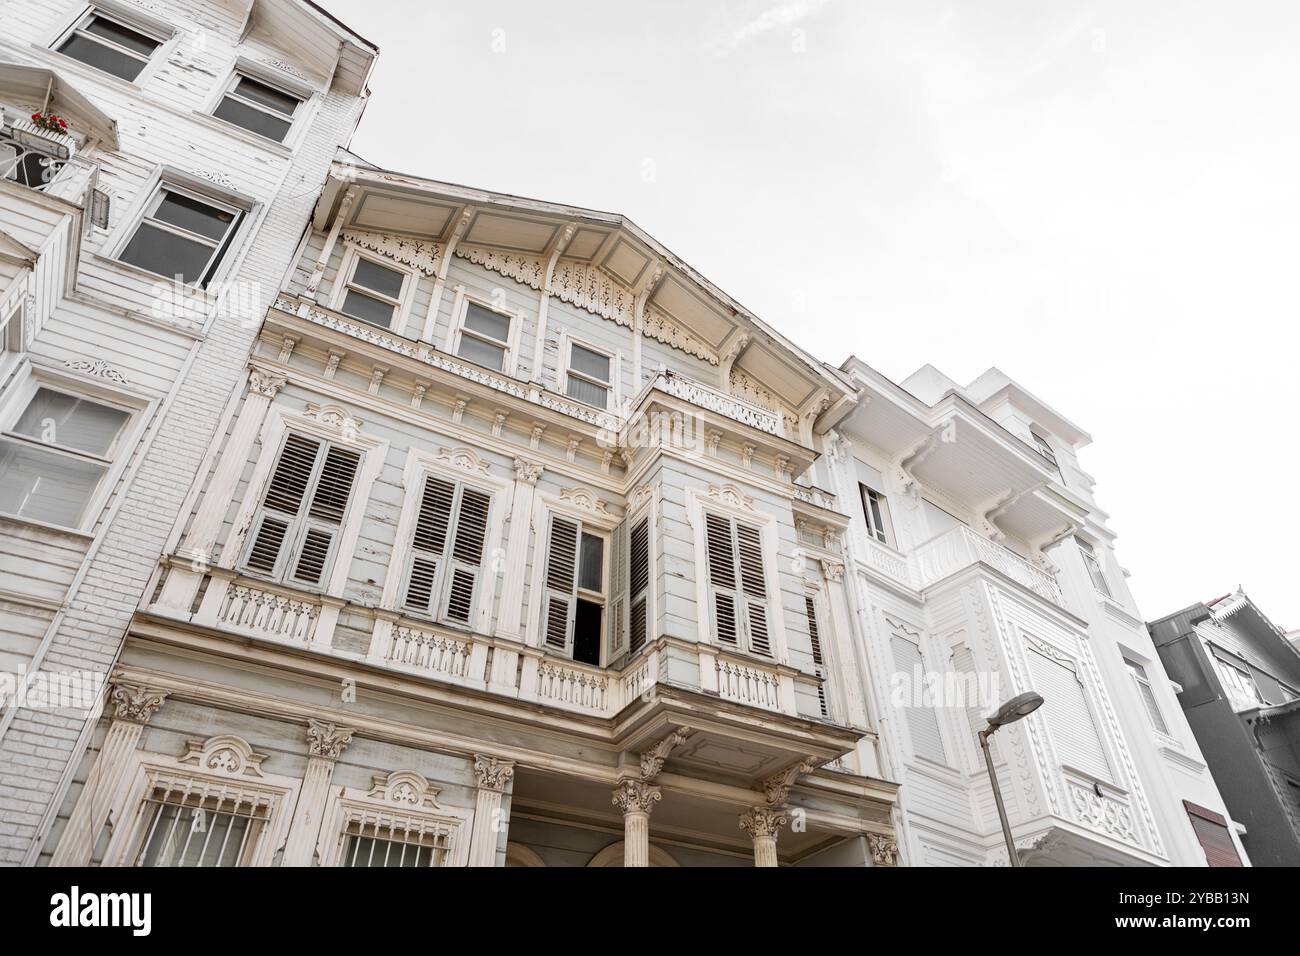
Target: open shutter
x,y
639,584
467,553
329,503
618,569
428,544
753,583
283,501
819,663
963,663
720,546
561,562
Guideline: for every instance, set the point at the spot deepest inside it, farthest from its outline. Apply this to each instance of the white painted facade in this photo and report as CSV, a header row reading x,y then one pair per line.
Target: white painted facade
x,y
996,560
113,375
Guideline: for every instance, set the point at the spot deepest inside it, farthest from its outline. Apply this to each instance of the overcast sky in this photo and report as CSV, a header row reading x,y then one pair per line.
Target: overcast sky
x,y
1099,198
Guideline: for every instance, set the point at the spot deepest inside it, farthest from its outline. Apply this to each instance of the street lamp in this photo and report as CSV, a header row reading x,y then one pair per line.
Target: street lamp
x,y
1022,705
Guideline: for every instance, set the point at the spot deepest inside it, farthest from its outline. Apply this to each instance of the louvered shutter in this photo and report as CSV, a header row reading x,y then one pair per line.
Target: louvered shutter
x,y
467,553
922,720
1212,832
720,546
639,585
329,503
753,582
428,544
819,663
1069,715
282,502
618,569
963,662
561,563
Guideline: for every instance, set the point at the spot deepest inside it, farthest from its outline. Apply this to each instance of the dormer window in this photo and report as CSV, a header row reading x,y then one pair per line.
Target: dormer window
x,y
258,107
110,45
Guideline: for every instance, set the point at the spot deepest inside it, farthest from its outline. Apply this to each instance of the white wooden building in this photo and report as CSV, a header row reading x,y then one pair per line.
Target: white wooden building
x,y
139,247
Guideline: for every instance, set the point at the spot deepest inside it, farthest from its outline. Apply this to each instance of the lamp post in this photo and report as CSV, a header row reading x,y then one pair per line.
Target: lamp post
x,y
1022,705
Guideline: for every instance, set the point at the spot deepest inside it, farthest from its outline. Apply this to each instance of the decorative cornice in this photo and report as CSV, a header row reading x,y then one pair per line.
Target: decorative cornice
x,y
135,703
635,796
529,270
731,495
762,822
659,327
326,740
418,254
226,754
492,773
98,368
335,417
406,788
586,500
466,459
652,760
590,288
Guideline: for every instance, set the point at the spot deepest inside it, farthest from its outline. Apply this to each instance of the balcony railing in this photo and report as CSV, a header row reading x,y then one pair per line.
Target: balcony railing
x,y
257,609
951,552
961,547
714,400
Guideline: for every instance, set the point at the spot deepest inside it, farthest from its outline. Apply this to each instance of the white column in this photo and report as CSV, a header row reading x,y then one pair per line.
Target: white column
x,y
200,541
331,240
493,777
325,744
132,706
521,525
763,824
636,798
841,636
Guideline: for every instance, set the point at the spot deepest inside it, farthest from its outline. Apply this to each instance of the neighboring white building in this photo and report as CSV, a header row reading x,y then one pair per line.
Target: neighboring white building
x,y
977,549
198,135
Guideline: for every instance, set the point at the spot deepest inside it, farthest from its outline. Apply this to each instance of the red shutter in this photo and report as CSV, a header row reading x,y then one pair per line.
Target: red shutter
x,y
1212,830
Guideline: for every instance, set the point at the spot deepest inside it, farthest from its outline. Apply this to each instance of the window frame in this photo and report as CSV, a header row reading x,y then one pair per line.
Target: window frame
x,y
602,598
224,251
153,28
23,392
457,330
567,371
885,533
353,255
1241,673
1092,563
1043,445
730,501
243,69
462,466
1150,705
301,525
403,798
146,771
325,423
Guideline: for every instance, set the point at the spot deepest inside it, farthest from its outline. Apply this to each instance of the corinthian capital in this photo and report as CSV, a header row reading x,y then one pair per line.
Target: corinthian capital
x,y
327,741
764,821
635,796
264,384
491,773
527,471
884,849
135,703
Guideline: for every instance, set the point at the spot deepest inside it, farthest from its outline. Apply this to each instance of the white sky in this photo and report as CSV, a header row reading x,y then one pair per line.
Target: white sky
x,y
1099,198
